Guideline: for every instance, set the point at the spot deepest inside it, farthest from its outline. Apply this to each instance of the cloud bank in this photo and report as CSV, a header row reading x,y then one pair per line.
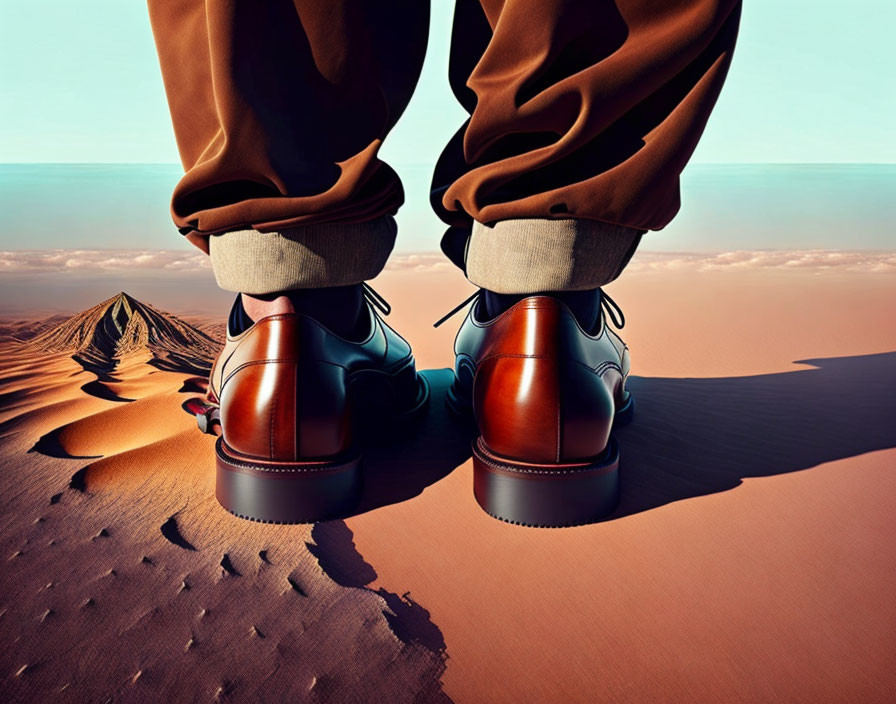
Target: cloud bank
x,y
809,260
100,261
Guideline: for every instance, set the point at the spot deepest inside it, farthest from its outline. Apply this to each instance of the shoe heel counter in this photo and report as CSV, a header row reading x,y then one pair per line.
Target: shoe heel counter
x,y
534,402
541,409
283,407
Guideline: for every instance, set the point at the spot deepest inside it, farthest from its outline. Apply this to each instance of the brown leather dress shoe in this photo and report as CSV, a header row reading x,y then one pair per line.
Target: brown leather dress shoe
x,y
292,399
545,394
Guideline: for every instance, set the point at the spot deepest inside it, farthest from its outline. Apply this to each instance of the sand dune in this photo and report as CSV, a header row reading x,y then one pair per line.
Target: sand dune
x,y
751,557
123,578
103,336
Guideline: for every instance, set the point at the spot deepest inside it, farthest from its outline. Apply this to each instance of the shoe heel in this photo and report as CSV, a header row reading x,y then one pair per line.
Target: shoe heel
x,y
542,495
286,492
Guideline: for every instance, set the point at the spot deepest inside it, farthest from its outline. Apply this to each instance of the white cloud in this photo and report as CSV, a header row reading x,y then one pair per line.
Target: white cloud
x,y
101,260
98,261
810,260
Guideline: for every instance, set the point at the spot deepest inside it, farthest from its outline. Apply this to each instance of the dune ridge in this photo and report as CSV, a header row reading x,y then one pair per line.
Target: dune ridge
x,y
121,325
124,579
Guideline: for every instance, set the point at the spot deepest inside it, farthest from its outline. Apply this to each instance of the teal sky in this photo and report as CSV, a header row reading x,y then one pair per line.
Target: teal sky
x,y
812,81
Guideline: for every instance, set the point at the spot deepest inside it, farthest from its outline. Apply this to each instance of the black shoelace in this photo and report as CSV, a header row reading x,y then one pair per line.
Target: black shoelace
x,y
457,309
375,299
611,310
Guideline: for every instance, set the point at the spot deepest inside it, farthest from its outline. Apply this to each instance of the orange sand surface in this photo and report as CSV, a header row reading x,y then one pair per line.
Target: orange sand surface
x,y
752,557
728,573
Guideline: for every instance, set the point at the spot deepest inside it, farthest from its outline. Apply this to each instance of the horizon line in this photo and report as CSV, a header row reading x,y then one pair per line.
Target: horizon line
x,y
437,252
428,164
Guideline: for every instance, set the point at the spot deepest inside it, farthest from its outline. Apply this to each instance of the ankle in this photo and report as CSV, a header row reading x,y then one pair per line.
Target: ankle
x,y
270,304
584,305
340,309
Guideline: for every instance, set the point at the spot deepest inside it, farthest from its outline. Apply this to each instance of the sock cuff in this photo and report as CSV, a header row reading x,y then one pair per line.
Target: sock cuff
x,y
310,256
541,254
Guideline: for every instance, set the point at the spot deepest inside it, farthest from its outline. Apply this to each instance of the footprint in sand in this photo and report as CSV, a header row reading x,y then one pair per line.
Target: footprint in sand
x,y
172,534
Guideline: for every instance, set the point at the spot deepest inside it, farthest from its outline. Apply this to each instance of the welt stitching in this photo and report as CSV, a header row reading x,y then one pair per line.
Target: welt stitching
x,y
594,467
324,467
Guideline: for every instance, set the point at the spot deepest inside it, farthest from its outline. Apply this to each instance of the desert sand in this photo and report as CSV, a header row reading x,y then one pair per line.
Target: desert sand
x,y
751,558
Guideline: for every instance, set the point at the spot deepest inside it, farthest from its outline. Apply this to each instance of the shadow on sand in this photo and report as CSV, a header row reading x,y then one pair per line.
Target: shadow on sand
x,y
692,437
104,370
334,547
419,456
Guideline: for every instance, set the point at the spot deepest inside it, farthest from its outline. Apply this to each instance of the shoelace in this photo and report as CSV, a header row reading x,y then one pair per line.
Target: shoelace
x,y
457,309
375,299
611,310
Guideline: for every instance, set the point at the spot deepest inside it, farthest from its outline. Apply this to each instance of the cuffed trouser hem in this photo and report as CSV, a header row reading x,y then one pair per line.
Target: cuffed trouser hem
x,y
541,254
310,256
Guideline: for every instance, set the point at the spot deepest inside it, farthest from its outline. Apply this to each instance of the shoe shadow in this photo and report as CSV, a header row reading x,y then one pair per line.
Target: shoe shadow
x,y
421,454
332,544
693,437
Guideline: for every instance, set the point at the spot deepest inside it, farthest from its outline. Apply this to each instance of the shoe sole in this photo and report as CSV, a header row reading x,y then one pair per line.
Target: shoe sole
x,y
297,492
286,492
546,495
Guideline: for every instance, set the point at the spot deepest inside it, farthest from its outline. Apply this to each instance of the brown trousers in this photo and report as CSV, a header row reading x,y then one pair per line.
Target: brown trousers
x,y
583,114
